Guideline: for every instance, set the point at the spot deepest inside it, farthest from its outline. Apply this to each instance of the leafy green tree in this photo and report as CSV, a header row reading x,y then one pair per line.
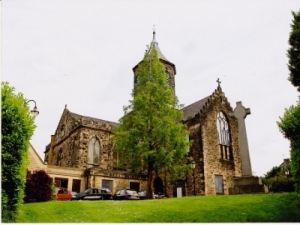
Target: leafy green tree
x,y
38,187
277,180
289,125
150,135
293,52
17,129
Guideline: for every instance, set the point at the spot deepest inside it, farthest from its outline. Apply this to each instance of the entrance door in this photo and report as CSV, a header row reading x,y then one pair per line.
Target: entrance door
x,y
179,184
219,184
76,185
158,186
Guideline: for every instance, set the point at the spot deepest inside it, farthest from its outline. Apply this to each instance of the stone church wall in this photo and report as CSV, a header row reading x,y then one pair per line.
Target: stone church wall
x,y
196,151
73,150
214,164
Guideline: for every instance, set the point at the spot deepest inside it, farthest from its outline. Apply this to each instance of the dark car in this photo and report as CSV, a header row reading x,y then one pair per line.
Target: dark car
x,y
94,194
126,194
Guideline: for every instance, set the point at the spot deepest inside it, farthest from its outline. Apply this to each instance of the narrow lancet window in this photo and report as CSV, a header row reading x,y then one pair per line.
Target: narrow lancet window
x,y
94,151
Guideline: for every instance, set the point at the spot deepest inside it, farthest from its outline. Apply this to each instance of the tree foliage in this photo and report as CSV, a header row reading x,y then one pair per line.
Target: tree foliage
x,y
277,180
150,135
38,187
293,52
289,124
17,129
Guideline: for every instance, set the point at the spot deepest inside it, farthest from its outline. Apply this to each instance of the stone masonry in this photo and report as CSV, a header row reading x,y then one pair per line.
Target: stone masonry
x,y
205,149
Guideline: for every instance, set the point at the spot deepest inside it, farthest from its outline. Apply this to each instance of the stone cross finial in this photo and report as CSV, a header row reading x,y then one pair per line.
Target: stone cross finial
x,y
219,82
240,113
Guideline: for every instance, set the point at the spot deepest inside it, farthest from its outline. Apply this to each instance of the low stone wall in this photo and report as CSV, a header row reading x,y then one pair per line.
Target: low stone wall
x,y
247,185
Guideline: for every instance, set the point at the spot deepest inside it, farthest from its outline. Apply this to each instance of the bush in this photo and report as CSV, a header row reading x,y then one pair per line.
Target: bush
x,y
38,187
278,181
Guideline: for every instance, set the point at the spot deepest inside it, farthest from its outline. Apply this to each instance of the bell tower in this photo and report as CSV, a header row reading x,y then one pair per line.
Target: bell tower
x,y
169,66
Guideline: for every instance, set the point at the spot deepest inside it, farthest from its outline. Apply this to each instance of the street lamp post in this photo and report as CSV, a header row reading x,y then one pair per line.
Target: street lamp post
x,y
34,112
287,173
193,165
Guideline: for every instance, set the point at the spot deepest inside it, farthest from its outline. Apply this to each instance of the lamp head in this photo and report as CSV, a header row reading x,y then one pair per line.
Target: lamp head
x,y
287,172
193,164
35,112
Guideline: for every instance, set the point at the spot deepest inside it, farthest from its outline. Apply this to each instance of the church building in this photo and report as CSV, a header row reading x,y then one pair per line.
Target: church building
x,y
81,153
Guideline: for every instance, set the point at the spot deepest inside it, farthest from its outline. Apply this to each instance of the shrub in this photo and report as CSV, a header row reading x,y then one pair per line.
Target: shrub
x,y
38,187
17,129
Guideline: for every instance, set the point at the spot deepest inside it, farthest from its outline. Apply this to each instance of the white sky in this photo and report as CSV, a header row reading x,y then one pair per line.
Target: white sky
x,y
81,53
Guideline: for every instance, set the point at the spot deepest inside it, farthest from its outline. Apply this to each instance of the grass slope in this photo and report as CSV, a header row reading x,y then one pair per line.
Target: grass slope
x,y
225,208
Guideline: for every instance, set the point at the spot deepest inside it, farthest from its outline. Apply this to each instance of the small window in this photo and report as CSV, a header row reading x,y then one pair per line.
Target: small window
x,y
168,77
135,186
188,141
107,184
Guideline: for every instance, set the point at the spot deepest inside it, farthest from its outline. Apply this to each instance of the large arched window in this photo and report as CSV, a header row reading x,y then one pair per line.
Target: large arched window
x,y
224,136
94,151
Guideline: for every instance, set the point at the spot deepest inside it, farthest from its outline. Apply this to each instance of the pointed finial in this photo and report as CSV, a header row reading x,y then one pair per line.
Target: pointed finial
x,y
154,32
65,106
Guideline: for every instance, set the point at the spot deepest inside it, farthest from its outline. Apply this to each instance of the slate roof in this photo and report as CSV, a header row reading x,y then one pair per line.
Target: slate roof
x,y
78,118
191,110
154,44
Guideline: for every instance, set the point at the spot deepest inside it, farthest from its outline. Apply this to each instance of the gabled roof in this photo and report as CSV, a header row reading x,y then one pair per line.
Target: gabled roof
x,y
200,106
78,119
191,110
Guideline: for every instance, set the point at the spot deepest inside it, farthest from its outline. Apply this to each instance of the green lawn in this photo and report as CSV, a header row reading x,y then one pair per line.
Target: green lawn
x,y
225,208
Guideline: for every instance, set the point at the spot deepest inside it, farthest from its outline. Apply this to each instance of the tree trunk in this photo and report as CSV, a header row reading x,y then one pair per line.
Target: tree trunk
x,y
149,181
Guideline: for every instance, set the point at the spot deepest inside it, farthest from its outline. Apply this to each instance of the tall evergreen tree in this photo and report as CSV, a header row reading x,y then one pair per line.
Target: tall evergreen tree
x,y
150,134
293,52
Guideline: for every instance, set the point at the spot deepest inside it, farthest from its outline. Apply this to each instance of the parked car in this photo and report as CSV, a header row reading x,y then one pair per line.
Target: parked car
x,y
126,194
62,193
143,195
94,194
74,193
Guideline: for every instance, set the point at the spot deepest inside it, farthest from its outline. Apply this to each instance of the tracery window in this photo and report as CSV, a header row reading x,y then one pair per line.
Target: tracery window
x,y
224,137
94,151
